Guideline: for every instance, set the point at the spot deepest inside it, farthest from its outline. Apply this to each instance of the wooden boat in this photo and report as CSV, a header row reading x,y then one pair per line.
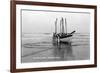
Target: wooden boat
x,y
63,30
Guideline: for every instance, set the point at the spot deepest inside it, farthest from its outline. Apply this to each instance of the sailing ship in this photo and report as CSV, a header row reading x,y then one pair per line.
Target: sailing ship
x,y
63,30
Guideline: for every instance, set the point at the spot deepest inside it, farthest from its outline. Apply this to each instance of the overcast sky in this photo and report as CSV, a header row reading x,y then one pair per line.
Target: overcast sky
x,y
44,21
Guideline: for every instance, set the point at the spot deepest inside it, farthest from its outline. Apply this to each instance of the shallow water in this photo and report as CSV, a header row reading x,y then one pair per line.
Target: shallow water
x,y
43,48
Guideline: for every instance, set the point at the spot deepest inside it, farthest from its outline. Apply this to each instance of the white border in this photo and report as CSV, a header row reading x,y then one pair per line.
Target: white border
x,y
51,64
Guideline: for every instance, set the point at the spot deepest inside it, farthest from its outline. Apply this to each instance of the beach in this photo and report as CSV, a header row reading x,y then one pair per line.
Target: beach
x,y
41,47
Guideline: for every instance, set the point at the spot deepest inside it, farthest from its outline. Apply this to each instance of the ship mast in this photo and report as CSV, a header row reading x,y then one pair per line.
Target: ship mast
x,y
65,25
62,25
56,25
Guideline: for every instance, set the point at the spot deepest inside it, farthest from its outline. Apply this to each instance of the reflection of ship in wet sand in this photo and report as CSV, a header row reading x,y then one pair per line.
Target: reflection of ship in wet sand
x,y
63,31
63,50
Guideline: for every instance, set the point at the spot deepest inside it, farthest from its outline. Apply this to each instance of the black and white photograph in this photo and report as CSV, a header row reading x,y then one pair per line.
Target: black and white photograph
x,y
48,35
52,36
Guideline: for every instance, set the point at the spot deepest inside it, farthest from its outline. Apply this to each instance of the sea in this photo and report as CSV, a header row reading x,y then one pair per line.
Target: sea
x,y
42,47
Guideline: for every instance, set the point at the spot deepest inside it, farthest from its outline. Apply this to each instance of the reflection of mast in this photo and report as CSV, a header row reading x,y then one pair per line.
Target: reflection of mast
x,y
56,25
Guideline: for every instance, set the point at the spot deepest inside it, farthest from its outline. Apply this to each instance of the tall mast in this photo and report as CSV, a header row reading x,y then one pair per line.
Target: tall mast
x,y
62,25
56,25
65,25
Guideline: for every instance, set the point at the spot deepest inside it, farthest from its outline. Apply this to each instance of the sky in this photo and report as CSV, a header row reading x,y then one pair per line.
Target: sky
x,y
44,21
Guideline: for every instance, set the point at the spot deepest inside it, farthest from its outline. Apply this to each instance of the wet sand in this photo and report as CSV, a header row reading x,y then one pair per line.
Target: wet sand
x,y
43,48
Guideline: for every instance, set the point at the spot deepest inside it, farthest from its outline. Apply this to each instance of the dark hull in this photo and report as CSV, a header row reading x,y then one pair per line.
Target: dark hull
x,y
63,35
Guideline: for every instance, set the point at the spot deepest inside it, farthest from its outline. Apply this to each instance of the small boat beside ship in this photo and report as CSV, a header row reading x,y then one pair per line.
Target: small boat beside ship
x,y
63,30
